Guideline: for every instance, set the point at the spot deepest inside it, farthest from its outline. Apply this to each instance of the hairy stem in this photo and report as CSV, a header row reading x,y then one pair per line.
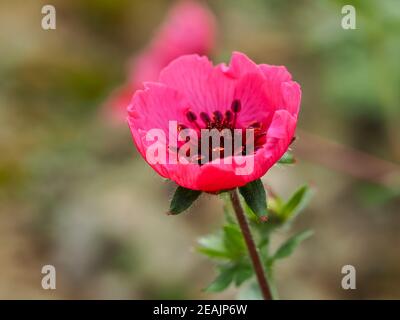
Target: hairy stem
x,y
255,258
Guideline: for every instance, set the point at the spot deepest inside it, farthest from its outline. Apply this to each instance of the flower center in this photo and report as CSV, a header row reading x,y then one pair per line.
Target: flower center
x,y
248,139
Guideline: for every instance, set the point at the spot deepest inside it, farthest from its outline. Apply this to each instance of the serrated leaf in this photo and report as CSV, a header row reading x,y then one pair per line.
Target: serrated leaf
x,y
287,158
183,199
223,280
237,273
233,240
256,198
215,254
243,273
296,203
213,247
290,245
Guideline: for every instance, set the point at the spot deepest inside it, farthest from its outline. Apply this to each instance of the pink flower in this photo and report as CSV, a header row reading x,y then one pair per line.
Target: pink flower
x,y
189,28
195,94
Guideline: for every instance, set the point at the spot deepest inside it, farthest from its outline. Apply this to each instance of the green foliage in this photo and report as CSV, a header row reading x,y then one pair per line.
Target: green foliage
x,y
255,197
228,274
287,248
226,244
224,279
183,199
296,203
228,247
233,240
213,247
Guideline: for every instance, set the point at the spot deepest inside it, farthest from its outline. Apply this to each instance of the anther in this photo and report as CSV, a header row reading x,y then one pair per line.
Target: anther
x,y
191,116
205,117
236,106
228,116
218,116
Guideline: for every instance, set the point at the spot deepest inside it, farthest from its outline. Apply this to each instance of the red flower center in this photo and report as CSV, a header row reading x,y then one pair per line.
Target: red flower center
x,y
221,121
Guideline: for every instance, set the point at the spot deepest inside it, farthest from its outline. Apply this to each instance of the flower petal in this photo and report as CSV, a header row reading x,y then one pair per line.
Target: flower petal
x,y
251,91
216,177
267,95
275,76
279,135
291,96
155,106
207,88
240,65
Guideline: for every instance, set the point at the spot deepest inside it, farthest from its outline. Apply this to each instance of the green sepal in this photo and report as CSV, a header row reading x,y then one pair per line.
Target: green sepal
x,y
182,200
256,198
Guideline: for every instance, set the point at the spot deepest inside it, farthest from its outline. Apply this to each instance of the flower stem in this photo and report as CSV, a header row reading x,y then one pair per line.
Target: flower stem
x,y
255,258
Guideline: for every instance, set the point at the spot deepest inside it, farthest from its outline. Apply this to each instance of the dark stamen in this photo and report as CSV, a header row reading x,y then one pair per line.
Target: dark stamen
x,y
221,121
228,116
206,118
191,116
218,116
236,106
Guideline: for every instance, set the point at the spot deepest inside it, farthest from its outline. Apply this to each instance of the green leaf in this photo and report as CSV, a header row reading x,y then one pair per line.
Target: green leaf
x,y
213,247
216,254
237,273
296,203
223,280
275,204
233,241
256,198
290,245
243,273
182,200
287,158
250,214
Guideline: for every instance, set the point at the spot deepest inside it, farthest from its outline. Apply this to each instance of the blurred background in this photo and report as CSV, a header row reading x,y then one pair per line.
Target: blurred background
x,y
75,193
